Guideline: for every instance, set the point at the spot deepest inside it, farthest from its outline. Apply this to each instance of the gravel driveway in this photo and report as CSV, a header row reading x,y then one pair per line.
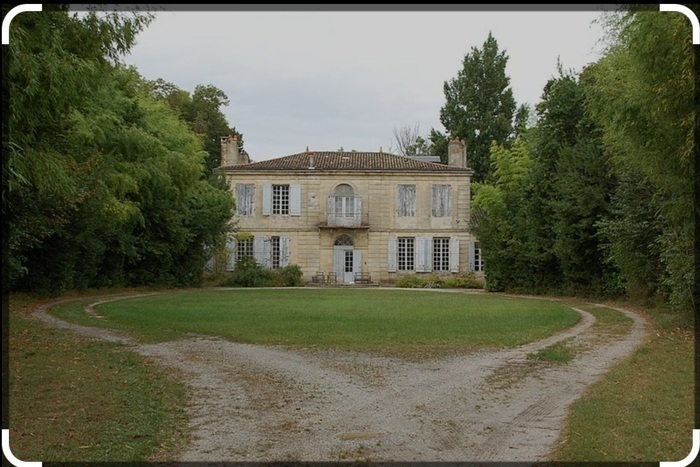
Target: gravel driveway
x,y
254,403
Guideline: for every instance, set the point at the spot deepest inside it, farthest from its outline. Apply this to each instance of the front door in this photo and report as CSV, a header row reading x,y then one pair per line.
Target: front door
x,y
346,262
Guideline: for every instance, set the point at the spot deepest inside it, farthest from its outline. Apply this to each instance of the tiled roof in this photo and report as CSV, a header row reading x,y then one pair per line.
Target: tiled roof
x,y
335,160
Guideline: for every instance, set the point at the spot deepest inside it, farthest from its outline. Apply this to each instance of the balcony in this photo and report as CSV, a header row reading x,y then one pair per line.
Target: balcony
x,y
345,211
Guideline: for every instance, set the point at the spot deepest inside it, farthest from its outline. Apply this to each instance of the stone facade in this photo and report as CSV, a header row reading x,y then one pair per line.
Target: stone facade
x,y
353,212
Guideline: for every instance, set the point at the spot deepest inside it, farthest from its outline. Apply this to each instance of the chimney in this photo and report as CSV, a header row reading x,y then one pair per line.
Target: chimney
x,y
230,154
457,153
312,159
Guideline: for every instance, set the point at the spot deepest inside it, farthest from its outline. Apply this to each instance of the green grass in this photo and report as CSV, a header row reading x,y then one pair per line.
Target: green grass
x,y
73,399
642,411
558,353
390,321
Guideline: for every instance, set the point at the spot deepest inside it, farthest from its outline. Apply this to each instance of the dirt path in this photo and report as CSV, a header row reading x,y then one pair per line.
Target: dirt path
x,y
253,403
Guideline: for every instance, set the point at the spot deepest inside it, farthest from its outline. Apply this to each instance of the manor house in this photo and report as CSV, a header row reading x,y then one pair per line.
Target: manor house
x,y
349,215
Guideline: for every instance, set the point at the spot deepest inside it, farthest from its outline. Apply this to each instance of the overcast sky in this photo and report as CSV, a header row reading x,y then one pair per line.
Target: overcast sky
x,y
332,79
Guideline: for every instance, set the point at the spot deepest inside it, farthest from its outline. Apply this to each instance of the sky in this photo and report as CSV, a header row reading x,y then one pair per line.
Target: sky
x,y
348,79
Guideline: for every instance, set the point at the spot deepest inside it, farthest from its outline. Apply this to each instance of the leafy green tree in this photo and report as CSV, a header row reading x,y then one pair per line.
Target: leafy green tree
x,y
104,183
644,100
54,64
439,144
203,114
498,214
479,105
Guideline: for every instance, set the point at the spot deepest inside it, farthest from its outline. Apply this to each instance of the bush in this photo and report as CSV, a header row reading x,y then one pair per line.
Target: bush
x,y
463,282
288,276
433,281
248,273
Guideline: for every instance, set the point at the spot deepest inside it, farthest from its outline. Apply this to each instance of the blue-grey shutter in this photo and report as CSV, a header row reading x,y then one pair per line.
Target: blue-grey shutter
x,y
284,251
240,198
250,200
259,250
392,254
423,254
295,199
357,260
231,260
454,254
471,256
267,199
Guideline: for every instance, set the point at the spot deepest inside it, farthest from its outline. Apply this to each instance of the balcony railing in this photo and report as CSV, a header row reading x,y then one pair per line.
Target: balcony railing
x,y
344,211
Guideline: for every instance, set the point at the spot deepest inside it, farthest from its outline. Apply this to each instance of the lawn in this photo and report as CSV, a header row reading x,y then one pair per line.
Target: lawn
x,y
73,399
398,322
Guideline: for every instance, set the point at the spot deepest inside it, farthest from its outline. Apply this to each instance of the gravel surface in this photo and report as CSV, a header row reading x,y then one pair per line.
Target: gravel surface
x,y
255,403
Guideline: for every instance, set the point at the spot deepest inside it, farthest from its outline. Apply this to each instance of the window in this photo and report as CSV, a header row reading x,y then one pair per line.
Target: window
x,y
244,249
406,253
280,199
442,200
406,200
441,254
276,253
478,260
245,195
348,260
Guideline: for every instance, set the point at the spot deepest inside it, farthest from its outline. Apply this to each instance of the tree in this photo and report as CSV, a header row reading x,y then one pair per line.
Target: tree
x,y
409,142
203,114
104,183
643,98
479,105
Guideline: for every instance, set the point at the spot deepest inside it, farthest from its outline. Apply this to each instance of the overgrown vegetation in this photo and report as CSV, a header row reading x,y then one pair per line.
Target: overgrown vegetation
x,y
248,273
104,182
596,199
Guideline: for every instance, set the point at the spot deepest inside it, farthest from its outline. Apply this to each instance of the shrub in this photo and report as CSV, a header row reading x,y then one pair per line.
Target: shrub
x,y
248,273
288,276
433,281
463,282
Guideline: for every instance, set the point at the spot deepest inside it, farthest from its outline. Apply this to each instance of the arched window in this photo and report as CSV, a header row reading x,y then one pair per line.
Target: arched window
x,y
344,240
344,190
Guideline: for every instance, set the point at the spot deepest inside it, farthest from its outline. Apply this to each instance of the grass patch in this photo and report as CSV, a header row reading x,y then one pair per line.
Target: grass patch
x,y
396,322
74,399
556,353
642,411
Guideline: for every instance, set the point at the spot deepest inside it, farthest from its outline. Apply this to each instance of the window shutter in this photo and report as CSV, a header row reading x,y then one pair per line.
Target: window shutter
x,y
471,256
295,199
448,200
393,251
339,262
259,250
231,260
267,199
284,251
240,198
250,200
454,254
357,260
423,254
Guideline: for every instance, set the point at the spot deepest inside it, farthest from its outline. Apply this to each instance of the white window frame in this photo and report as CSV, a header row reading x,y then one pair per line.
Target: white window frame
x,y
441,254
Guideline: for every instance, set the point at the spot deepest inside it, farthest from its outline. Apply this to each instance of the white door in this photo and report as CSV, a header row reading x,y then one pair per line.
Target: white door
x,y
346,263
